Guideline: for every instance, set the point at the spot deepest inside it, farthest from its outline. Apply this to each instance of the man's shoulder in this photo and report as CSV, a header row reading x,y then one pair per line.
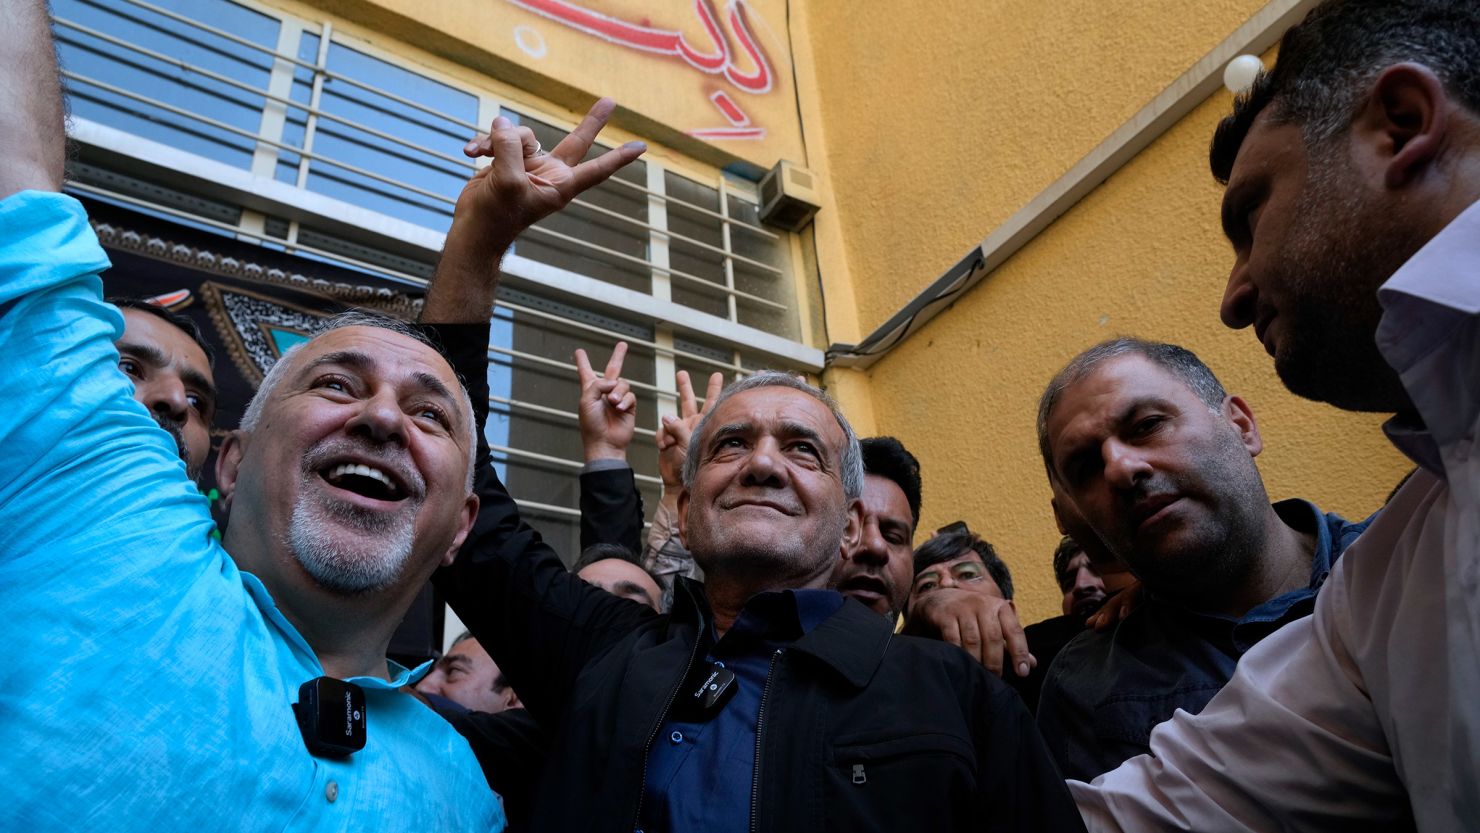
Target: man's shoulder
x,y
1309,518
1091,646
928,662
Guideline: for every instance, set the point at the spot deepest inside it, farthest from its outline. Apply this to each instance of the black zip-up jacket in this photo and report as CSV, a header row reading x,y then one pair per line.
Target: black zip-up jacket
x,y
863,729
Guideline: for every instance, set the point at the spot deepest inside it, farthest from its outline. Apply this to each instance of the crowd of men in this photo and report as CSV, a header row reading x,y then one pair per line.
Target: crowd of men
x,y
773,653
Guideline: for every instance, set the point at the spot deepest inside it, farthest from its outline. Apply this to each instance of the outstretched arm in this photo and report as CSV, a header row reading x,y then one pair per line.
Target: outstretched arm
x,y
33,137
539,622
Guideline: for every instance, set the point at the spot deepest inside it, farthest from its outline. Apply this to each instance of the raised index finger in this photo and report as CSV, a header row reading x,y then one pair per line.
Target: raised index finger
x,y
583,367
716,384
614,364
687,407
573,147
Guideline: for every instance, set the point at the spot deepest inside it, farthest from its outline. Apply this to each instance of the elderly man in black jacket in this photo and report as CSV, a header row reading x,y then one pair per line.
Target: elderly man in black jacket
x,y
762,701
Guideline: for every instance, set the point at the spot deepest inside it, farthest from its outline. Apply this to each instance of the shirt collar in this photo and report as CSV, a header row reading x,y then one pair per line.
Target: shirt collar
x,y
1303,517
399,675
785,615
849,638
1300,515
1423,302
1433,275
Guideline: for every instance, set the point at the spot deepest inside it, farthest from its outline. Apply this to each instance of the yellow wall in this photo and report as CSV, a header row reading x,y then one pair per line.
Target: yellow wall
x,y
1017,92
941,119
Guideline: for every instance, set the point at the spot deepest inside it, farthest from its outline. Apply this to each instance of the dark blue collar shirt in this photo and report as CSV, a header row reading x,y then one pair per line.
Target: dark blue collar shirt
x,y
1105,691
701,767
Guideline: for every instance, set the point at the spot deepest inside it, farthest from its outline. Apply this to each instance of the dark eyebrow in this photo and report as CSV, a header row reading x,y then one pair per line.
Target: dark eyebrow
x,y
353,359
730,429
1063,455
196,379
806,432
141,350
433,385
356,360
932,570
1131,409
895,523
155,357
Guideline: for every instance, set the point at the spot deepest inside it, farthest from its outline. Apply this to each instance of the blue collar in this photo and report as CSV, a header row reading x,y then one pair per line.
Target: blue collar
x,y
400,675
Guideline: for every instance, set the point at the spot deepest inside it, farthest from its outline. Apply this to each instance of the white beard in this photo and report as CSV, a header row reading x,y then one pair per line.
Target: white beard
x,y
350,565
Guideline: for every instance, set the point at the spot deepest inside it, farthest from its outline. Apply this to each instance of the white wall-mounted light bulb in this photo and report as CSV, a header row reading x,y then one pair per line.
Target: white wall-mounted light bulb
x,y
1240,73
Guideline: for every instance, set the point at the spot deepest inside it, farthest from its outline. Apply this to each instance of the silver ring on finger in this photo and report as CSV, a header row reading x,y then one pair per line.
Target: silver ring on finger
x,y
538,149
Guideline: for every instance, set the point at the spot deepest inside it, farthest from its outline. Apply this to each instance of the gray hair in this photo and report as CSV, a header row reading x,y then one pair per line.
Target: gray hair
x,y
355,318
851,464
1179,361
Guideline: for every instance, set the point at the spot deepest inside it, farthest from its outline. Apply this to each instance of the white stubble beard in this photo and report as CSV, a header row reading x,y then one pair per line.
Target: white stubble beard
x,y
339,564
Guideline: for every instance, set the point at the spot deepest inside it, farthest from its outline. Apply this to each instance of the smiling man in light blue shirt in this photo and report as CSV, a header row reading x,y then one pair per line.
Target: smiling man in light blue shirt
x,y
149,679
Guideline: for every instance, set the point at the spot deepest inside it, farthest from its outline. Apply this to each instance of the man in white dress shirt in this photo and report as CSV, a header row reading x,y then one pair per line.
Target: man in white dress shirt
x,y
1353,172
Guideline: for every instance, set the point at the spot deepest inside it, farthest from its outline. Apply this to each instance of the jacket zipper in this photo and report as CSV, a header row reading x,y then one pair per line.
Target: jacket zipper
x,y
657,727
760,719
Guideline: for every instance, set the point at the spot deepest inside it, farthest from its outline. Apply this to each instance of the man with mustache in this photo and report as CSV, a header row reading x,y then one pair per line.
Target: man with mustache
x,y
153,681
1353,173
877,567
164,354
1147,452
763,700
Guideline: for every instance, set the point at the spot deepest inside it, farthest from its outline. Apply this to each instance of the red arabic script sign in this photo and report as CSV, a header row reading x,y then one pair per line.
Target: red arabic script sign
x,y
718,59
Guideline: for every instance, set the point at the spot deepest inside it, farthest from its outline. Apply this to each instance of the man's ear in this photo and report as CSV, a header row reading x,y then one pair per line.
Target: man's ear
x,y
854,530
1404,122
464,526
683,516
228,465
1058,515
1241,417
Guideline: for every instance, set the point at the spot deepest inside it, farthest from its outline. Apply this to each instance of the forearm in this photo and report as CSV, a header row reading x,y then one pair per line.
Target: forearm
x,y
538,621
1291,736
665,556
611,507
463,287
33,132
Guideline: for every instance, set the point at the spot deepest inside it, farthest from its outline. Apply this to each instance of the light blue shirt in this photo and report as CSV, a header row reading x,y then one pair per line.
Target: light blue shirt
x,y
147,684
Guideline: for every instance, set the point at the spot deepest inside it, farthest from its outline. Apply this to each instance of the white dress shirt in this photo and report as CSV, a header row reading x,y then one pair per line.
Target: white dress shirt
x,y
1366,715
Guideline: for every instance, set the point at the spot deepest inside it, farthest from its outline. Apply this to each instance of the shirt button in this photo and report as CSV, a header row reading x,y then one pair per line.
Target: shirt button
x,y
331,792
676,737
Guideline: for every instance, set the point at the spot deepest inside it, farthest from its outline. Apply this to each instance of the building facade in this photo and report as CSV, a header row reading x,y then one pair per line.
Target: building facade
x,y
1001,184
